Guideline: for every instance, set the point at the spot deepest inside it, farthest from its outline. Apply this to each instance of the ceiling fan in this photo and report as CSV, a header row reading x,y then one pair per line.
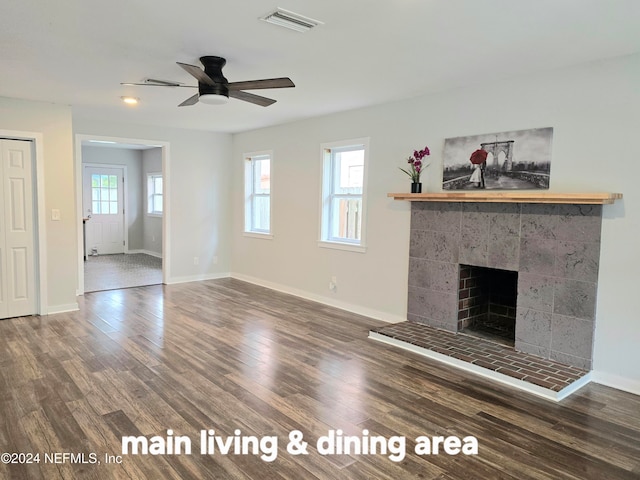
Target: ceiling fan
x,y
214,88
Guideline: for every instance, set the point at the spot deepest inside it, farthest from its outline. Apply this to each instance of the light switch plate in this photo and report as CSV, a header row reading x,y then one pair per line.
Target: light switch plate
x,y
55,214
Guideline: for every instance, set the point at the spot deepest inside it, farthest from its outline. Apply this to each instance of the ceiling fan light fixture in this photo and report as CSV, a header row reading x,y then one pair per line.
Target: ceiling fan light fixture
x,y
291,20
213,99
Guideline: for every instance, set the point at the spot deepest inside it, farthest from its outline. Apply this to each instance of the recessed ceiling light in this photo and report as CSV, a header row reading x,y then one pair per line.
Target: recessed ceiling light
x,y
293,21
130,100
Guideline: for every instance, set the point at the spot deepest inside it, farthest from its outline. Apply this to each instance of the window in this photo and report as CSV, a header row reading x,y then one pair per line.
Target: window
x,y
343,202
154,194
104,194
257,190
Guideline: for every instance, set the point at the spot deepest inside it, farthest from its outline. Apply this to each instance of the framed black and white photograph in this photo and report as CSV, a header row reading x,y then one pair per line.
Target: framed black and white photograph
x,y
516,160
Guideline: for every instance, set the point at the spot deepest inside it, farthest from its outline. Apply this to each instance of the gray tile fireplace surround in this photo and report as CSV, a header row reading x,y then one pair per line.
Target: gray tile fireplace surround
x,y
554,248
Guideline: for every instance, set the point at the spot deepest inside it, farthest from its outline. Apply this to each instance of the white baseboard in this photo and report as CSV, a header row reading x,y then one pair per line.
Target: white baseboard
x,y
69,307
617,382
146,252
197,278
349,307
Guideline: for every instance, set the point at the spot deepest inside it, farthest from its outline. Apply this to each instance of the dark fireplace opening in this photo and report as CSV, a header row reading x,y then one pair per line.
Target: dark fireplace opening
x,y
487,303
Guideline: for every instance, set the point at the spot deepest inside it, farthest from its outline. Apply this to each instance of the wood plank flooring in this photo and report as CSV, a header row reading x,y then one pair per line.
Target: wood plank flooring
x,y
227,355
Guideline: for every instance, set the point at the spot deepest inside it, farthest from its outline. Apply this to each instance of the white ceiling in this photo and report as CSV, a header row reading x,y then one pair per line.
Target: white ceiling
x,y
77,52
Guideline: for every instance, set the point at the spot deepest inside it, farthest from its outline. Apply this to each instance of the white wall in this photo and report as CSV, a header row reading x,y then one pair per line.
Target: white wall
x,y
132,159
53,122
595,112
152,235
198,194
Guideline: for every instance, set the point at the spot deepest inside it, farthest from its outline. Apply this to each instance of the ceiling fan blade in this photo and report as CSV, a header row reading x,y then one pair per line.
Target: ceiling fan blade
x,y
190,101
198,73
153,83
251,98
283,82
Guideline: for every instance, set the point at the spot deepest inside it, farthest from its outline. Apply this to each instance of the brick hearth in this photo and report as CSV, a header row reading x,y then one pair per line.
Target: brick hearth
x,y
501,359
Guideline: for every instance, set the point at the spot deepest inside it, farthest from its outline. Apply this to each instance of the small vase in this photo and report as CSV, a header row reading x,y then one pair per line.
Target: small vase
x,y
416,187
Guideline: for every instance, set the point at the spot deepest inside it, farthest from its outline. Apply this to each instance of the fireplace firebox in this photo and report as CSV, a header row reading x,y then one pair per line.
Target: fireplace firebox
x,y
487,300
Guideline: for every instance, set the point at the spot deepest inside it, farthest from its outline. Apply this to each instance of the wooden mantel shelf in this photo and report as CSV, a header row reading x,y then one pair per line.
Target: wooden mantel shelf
x,y
597,198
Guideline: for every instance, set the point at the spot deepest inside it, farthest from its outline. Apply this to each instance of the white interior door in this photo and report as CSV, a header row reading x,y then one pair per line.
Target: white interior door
x,y
103,205
17,232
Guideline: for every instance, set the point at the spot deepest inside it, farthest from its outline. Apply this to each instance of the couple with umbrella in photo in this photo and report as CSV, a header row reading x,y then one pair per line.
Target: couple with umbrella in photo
x,y
479,161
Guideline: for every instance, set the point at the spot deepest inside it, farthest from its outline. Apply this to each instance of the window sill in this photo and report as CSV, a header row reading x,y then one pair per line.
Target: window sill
x,y
157,215
264,236
349,247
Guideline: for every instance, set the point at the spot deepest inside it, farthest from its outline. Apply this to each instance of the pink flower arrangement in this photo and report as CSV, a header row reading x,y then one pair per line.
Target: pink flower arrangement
x,y
416,165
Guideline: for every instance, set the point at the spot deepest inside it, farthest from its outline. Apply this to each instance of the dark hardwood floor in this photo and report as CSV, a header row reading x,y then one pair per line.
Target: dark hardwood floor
x,y
227,355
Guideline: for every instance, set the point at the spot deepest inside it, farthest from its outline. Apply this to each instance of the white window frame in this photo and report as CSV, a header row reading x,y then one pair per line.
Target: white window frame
x,y
151,193
250,195
325,240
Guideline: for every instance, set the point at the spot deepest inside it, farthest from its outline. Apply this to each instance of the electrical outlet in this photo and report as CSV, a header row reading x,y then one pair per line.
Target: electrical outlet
x,y
333,284
196,260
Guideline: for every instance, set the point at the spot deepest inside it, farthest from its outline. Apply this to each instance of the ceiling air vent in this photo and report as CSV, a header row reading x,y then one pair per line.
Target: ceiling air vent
x,y
287,19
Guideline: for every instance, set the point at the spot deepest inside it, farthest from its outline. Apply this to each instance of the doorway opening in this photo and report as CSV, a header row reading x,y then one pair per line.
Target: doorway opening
x,y
124,216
